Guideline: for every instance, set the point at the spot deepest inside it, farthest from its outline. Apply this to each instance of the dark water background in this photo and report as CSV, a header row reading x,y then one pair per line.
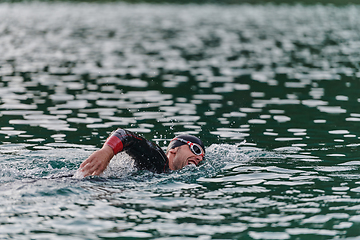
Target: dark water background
x,y
272,90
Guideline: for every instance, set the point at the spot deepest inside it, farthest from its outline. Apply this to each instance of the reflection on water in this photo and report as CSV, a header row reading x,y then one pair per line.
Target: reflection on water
x,y
272,91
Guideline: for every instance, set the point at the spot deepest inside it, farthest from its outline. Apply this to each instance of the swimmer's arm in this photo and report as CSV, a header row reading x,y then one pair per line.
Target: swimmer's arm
x,y
97,162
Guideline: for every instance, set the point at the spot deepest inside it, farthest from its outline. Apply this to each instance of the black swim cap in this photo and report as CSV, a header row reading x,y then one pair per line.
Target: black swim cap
x,y
176,143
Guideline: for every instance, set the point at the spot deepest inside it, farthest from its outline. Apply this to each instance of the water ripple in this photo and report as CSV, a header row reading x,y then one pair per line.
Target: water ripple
x,y
272,91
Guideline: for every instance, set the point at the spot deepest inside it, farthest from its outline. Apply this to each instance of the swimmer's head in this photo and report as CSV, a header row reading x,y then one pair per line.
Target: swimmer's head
x,y
195,144
185,150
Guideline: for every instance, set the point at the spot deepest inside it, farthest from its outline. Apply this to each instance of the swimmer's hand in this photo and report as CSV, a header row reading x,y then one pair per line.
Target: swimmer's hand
x,y
97,162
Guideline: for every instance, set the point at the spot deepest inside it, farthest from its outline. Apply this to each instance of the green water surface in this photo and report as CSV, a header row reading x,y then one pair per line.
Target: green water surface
x,y
273,91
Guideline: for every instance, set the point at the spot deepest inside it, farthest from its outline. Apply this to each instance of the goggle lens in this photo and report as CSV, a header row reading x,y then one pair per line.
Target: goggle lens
x,y
195,149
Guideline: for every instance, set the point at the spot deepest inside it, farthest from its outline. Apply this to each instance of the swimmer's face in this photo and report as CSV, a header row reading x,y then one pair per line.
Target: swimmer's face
x,y
181,156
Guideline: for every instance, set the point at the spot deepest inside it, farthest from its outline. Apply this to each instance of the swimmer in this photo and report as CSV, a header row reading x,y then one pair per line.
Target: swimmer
x,y
182,150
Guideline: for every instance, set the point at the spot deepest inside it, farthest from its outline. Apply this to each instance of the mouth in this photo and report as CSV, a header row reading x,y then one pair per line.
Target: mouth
x,y
190,161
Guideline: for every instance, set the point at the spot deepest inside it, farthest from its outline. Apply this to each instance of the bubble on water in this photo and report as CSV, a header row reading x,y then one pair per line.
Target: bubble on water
x,y
232,133
296,130
339,132
352,119
73,104
281,118
319,121
84,120
314,103
269,235
342,98
331,109
271,133
287,139
61,97
257,121
10,132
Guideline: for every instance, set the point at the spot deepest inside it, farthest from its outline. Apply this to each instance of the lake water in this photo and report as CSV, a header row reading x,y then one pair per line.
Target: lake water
x,y
272,90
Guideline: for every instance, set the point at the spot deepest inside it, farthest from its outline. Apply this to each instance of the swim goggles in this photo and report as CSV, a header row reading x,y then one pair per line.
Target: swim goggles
x,y
194,147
